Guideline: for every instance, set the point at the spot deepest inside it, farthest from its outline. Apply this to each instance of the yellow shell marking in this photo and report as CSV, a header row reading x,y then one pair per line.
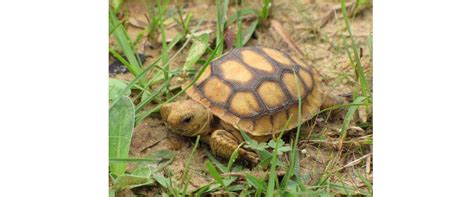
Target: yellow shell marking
x,y
204,75
263,124
256,61
277,56
306,77
301,63
235,71
271,94
279,120
244,103
290,82
216,90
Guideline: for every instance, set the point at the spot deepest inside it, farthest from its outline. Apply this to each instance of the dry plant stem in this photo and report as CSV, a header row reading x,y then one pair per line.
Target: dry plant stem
x,y
285,36
260,175
355,162
332,14
367,167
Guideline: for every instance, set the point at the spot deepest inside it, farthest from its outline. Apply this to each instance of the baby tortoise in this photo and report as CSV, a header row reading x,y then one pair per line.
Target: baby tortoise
x,y
254,89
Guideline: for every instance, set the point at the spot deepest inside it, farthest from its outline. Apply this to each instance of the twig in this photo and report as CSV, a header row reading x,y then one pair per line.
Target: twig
x,y
355,162
285,36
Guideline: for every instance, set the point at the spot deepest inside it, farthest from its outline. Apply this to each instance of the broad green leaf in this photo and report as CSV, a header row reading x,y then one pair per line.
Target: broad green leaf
x,y
139,177
163,181
131,181
197,50
116,87
121,122
143,171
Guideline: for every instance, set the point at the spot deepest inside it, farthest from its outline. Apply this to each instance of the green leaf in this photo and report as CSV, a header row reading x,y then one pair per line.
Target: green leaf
x,y
233,157
139,177
116,4
350,114
163,181
125,43
143,171
216,162
248,32
121,123
281,146
131,181
255,182
116,87
198,48
214,173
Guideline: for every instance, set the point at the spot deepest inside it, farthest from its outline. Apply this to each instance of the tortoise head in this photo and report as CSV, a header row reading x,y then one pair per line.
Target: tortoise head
x,y
188,118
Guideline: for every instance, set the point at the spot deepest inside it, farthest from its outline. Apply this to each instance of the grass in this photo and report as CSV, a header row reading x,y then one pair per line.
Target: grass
x,y
151,84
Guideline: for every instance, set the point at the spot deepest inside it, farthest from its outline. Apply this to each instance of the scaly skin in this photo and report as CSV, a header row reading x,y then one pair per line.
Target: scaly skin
x,y
190,118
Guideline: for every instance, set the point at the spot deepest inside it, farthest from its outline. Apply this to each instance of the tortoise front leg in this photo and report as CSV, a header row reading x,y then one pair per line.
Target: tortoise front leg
x,y
223,144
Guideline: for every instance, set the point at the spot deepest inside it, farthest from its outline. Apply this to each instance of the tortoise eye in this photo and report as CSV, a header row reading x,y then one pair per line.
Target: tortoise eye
x,y
187,119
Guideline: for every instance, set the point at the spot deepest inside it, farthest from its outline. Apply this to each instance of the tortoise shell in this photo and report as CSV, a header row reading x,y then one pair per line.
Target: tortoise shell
x,y
255,89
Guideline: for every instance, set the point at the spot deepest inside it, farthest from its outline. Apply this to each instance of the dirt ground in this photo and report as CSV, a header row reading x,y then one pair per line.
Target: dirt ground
x,y
313,27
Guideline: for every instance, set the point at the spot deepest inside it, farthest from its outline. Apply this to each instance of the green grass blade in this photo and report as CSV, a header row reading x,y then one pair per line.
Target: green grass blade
x,y
131,160
125,44
215,174
221,12
247,34
132,83
255,182
265,12
164,46
360,72
145,114
216,162
233,157
364,179
186,167
348,117
121,123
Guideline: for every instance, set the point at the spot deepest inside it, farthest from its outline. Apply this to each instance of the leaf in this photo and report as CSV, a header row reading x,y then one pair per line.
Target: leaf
x,y
255,182
348,117
233,157
197,50
248,32
143,171
281,148
121,122
214,173
116,87
216,162
131,181
163,181
125,44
